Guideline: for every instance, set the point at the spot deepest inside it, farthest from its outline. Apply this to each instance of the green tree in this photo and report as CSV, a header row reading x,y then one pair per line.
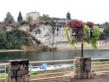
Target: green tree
x,y
46,19
68,16
9,18
106,29
20,18
3,38
14,39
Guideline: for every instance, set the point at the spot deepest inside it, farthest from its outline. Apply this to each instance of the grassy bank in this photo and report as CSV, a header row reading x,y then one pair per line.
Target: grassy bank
x,y
40,48
15,50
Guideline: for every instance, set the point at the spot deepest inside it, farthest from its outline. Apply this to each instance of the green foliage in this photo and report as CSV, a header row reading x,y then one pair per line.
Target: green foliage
x,y
3,38
47,20
3,75
23,22
95,36
20,18
44,48
86,38
9,18
67,35
16,39
47,48
13,39
106,29
68,16
86,31
102,36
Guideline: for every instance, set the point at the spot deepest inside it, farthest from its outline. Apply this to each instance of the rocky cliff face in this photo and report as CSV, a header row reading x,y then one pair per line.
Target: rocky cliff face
x,y
46,34
43,33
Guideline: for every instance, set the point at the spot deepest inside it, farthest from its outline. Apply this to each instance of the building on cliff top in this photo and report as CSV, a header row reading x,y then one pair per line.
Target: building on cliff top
x,y
33,17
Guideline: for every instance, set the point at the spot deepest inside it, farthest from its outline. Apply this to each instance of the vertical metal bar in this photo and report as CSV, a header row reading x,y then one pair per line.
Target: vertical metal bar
x,y
16,79
5,73
82,50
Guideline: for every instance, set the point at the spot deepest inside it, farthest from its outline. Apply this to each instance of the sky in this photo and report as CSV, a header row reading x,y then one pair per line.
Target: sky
x,y
96,11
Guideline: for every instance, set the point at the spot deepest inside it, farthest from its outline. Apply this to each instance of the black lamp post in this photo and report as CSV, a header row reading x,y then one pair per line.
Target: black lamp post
x,y
82,49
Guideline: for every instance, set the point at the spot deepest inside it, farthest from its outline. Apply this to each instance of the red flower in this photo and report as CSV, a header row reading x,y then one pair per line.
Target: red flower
x,y
75,24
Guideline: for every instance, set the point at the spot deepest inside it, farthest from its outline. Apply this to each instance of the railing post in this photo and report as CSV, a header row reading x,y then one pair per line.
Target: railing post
x,y
82,67
18,69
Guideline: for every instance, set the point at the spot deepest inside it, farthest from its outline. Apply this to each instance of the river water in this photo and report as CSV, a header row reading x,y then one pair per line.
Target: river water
x,y
51,55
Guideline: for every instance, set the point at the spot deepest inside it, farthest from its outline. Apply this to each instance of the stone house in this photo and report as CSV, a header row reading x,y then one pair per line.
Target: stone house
x,y
33,17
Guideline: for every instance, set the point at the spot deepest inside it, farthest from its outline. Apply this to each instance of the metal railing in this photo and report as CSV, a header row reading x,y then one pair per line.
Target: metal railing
x,y
3,70
105,61
4,66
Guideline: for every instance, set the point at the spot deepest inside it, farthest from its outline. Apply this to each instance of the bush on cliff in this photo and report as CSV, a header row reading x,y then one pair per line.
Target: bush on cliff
x,y
13,39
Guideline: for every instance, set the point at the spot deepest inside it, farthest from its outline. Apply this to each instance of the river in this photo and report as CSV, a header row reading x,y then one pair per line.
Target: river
x,y
51,55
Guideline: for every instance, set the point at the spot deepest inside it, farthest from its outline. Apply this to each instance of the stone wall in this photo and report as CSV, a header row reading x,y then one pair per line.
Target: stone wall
x,y
82,68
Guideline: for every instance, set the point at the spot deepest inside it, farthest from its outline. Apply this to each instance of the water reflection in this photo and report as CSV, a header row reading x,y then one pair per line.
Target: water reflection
x,y
51,55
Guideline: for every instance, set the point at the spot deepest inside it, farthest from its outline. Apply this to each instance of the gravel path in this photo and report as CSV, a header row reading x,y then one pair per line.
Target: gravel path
x,y
102,78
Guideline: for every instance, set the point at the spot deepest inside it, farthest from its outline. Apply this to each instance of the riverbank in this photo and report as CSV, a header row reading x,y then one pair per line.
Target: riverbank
x,y
40,48
62,46
16,50
67,46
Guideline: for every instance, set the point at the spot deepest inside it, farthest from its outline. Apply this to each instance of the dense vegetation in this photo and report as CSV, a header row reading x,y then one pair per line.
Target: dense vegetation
x,y
47,20
9,18
13,39
106,29
20,18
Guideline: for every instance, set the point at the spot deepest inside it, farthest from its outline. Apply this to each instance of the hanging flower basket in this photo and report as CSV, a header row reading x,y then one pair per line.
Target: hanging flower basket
x,y
77,31
75,24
